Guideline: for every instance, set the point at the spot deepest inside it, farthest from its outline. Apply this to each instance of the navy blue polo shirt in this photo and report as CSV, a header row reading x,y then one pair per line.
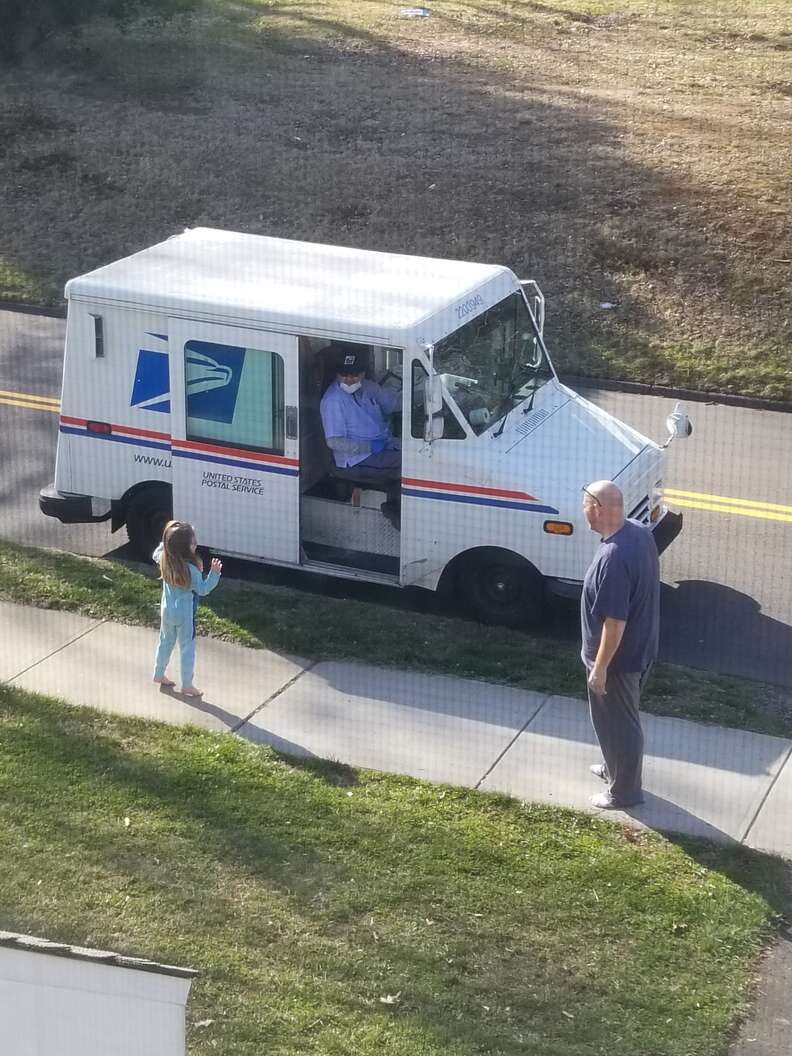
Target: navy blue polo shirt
x,y
623,583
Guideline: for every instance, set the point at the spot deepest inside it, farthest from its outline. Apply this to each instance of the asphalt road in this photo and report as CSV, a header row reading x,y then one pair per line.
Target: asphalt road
x,y
727,580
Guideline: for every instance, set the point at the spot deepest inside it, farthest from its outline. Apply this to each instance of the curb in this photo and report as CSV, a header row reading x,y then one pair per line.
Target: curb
x,y
755,403
51,312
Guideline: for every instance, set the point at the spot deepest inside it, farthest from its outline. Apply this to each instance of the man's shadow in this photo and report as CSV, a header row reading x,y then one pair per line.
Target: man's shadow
x,y
710,626
672,820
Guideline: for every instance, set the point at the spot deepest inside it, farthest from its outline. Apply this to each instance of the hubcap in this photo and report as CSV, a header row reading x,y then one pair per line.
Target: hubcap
x,y
501,584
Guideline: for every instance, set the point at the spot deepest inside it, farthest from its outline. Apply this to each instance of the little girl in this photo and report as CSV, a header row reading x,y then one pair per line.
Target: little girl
x,y
181,572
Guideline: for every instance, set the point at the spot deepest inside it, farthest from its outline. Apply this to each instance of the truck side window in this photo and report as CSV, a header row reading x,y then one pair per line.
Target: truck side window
x,y
234,396
452,430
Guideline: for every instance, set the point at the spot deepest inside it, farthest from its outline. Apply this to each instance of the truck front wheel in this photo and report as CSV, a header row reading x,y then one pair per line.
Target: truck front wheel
x,y
502,588
147,514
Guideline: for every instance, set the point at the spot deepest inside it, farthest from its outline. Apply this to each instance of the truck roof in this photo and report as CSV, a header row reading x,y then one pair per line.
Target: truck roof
x,y
300,286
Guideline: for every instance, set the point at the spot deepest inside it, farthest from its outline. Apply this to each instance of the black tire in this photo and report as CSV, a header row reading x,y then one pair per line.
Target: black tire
x,y
147,514
502,589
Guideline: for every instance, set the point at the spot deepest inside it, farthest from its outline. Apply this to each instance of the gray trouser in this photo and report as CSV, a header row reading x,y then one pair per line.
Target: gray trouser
x,y
385,465
616,720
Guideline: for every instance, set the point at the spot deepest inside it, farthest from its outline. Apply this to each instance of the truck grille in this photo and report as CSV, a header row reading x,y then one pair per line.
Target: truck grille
x,y
640,512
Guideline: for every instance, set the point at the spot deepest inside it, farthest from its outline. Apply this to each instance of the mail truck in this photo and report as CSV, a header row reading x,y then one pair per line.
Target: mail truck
x,y
192,380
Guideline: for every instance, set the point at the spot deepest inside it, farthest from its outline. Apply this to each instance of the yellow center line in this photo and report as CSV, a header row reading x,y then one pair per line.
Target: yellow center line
x,y
740,511
754,504
30,406
30,396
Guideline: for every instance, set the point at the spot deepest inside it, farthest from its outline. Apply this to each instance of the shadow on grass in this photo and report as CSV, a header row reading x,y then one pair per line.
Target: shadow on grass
x,y
449,863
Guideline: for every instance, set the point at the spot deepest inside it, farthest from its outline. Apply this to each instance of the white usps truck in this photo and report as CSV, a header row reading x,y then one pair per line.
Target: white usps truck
x,y
192,381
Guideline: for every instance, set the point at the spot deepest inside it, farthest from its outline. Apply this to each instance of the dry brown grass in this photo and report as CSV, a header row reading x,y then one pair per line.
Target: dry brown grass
x,y
631,152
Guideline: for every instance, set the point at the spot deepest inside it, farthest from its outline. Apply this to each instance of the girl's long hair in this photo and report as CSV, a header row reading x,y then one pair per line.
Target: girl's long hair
x,y
176,554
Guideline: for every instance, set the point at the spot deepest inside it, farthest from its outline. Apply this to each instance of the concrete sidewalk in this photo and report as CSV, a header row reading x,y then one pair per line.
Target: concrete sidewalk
x,y
723,784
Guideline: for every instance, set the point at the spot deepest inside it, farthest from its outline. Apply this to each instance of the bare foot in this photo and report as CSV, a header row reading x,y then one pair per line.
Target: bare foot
x,y
165,681
190,691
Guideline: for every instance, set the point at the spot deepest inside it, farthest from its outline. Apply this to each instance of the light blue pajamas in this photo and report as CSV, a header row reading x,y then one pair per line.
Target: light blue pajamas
x,y
177,620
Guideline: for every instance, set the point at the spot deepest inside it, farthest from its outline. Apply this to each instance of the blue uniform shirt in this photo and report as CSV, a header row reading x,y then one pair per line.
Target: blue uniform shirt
x,y
623,583
358,416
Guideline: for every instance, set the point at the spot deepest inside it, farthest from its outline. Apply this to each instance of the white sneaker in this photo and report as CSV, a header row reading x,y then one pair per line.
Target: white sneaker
x,y
605,801
599,770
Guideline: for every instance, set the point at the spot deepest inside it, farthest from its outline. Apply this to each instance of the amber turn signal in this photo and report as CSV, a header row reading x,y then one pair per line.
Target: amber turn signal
x,y
558,527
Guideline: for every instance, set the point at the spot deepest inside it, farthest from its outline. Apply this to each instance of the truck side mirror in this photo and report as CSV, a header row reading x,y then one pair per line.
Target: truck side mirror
x,y
530,288
678,424
434,395
436,427
433,406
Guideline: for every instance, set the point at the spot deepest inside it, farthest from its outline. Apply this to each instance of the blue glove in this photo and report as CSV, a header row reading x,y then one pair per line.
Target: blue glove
x,y
378,445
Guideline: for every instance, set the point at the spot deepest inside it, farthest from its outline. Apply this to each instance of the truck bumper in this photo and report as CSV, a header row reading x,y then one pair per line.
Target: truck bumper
x,y
73,509
666,530
563,591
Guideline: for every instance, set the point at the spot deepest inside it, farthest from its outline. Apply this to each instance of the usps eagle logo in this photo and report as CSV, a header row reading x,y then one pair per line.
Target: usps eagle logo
x,y
212,373
211,376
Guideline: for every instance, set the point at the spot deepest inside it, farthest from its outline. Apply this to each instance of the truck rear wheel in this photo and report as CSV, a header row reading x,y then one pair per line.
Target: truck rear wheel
x,y
502,588
147,514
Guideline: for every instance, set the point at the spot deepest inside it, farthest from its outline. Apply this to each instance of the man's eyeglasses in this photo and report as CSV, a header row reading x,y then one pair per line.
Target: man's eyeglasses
x,y
593,498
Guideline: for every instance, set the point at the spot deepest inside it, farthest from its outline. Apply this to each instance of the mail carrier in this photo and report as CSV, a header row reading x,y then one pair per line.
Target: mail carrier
x,y
193,379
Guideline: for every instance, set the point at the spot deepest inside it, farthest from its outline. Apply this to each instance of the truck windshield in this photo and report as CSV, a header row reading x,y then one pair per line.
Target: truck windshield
x,y
493,362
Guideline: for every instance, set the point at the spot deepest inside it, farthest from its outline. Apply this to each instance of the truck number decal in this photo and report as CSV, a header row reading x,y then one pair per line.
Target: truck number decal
x,y
469,306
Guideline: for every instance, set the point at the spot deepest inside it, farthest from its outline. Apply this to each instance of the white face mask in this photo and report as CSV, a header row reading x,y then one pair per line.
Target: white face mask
x,y
350,388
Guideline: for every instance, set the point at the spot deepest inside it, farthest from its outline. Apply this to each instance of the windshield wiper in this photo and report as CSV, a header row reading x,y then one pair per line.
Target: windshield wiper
x,y
515,395
529,408
504,420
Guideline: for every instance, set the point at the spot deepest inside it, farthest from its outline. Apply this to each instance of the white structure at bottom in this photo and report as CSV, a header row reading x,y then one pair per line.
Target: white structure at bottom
x,y
60,1000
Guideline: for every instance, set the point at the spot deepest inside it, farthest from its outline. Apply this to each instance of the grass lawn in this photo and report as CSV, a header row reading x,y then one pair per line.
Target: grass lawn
x,y
333,912
326,628
631,152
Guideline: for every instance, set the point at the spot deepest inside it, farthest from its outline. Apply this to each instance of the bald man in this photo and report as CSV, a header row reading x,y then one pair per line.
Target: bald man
x,y
620,623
